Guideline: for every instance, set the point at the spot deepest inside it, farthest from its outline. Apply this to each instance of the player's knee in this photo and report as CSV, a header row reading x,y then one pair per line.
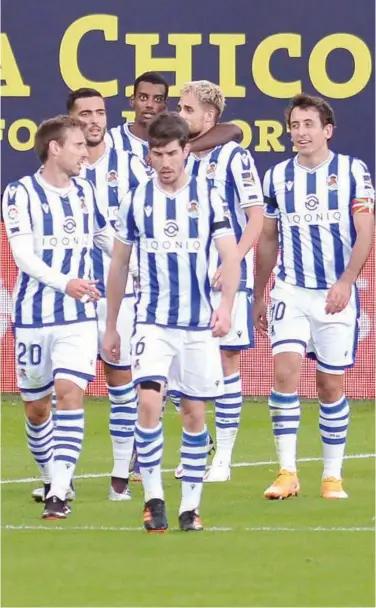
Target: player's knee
x,y
150,395
286,372
37,412
193,415
329,387
117,377
69,395
230,361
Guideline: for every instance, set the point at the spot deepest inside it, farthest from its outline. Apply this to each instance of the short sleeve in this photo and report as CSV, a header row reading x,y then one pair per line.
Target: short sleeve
x,y
270,200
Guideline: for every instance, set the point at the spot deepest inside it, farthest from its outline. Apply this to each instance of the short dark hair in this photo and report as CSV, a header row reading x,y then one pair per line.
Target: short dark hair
x,y
305,101
167,127
153,78
53,129
82,93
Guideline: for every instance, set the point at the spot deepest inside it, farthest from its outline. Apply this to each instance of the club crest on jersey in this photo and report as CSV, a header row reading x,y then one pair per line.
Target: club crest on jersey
x,y
210,171
193,209
312,202
112,178
332,182
84,205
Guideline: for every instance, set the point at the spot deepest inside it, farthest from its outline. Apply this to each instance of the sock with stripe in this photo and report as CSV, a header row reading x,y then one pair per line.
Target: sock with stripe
x,y
53,405
333,424
68,438
40,442
194,453
123,414
175,400
149,445
284,410
227,417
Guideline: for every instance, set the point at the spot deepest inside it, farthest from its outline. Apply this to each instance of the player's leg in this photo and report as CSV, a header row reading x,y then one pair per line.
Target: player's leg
x,y
334,340
35,381
152,353
38,494
123,398
289,332
228,407
201,379
73,357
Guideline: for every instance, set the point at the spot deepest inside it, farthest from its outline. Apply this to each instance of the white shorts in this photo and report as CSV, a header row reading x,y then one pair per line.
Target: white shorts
x,y
299,323
240,336
189,361
124,326
45,354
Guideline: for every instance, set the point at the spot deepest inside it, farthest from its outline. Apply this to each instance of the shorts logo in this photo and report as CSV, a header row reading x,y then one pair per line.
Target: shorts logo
x,y
210,171
193,209
69,225
112,179
312,202
332,182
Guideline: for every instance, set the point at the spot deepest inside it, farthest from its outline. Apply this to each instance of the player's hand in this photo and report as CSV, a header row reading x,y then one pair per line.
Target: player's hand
x,y
111,346
220,322
217,279
338,297
83,290
260,316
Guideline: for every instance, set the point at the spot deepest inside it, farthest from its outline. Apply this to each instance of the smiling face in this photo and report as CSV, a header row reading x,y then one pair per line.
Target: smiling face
x,y
148,101
308,133
92,112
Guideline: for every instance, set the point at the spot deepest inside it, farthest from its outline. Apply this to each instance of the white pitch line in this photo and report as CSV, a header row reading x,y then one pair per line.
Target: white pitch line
x,y
211,529
260,463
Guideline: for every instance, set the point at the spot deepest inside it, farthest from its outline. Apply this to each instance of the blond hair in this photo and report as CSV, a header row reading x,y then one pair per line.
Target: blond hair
x,y
207,93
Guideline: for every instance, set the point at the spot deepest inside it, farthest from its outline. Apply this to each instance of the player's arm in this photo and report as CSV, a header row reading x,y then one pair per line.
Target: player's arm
x,y
226,246
18,223
119,267
103,233
362,210
248,185
219,135
266,254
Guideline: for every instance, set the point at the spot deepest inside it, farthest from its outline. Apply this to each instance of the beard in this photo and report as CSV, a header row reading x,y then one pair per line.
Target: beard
x,y
91,143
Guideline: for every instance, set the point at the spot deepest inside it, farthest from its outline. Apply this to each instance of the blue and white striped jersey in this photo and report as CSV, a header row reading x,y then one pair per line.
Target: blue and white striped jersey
x,y
121,138
113,175
314,212
63,224
173,234
234,174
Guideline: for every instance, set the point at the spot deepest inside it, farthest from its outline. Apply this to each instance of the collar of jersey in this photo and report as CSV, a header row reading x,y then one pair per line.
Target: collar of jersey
x,y
130,134
169,194
88,166
46,185
204,155
313,169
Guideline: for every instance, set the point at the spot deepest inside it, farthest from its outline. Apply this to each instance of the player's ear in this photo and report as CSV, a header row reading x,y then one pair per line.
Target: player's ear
x,y
53,148
328,129
186,150
131,101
